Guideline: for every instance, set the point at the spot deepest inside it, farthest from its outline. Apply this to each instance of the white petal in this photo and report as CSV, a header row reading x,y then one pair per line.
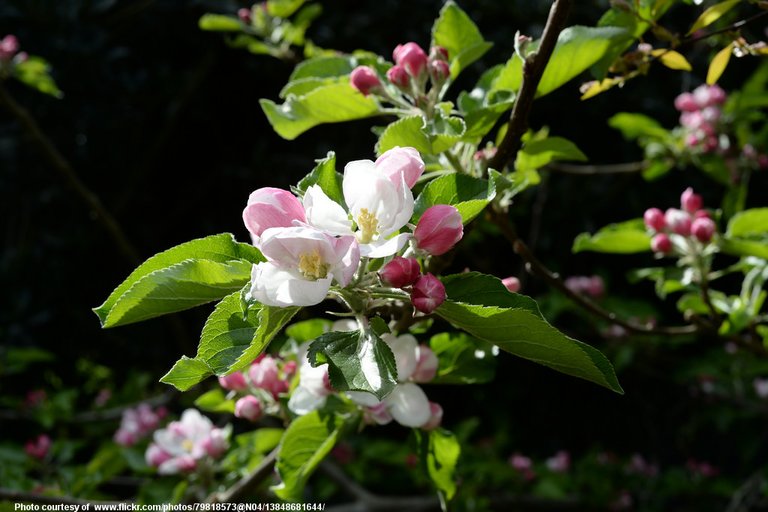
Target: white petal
x,y
409,405
273,286
314,378
348,252
324,213
303,401
385,247
363,398
405,348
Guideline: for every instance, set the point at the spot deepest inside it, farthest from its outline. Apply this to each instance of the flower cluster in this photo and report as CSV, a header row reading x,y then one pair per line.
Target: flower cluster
x,y
412,70
185,445
676,228
9,50
313,242
407,404
591,286
260,387
138,423
700,116
38,447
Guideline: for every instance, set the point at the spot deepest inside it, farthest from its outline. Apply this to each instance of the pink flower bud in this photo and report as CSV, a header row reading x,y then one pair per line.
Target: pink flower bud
x,y
692,140
701,96
439,229
245,15
400,272
678,221
511,283
428,293
717,96
661,244
248,407
686,103
426,364
265,375
560,462
9,45
364,79
398,76
156,455
271,208
216,443
691,120
234,382
38,448
399,163
520,462
124,437
438,53
654,219
439,71
435,417
703,229
411,57
690,201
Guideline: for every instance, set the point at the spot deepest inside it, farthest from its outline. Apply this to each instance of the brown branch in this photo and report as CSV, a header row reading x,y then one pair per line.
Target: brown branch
x,y
533,69
590,170
64,168
30,497
536,267
246,485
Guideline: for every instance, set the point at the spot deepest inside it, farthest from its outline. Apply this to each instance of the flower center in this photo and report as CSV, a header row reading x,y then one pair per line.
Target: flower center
x,y
368,225
187,445
311,266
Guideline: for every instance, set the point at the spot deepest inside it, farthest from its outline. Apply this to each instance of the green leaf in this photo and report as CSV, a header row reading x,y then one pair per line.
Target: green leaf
x,y
215,401
186,373
214,249
305,444
462,359
577,49
748,223
283,8
439,450
330,66
232,338
333,103
538,153
308,330
623,238
672,59
220,23
712,14
357,361
324,174
35,72
744,247
457,33
633,126
469,195
429,139
478,305
718,64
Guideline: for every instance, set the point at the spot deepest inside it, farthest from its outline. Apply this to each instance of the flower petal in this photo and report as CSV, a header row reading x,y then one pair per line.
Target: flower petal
x,y
273,286
409,405
324,213
385,247
303,401
405,349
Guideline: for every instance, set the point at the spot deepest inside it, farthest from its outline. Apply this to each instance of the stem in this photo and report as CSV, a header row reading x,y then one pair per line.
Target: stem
x,y
533,69
246,485
64,168
536,267
454,161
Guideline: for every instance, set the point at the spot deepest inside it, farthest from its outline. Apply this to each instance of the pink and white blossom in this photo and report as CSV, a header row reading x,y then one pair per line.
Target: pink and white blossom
x,y
271,208
439,229
180,446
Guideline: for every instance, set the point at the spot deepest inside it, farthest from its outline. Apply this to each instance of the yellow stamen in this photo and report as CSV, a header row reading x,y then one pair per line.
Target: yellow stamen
x,y
368,225
312,267
187,445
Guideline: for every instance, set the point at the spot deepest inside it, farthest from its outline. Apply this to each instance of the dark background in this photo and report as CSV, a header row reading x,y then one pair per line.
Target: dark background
x,y
162,122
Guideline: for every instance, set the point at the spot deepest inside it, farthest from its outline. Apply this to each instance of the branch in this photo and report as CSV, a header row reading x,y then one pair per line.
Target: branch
x,y
533,69
734,26
589,170
246,485
536,267
30,497
64,168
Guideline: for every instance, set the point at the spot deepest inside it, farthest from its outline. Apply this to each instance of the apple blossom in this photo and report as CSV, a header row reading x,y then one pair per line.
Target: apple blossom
x,y
435,416
313,388
301,264
265,374
678,221
249,408
560,462
654,219
178,447
426,364
408,405
661,243
398,76
365,80
38,448
690,201
400,272
234,382
438,230
703,229
245,15
271,208
427,294
685,102
511,283
397,161
411,57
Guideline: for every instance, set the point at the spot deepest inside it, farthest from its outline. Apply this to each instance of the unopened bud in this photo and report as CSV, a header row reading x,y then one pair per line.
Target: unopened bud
x,y
439,71
654,219
234,382
661,244
511,283
364,79
685,102
428,293
245,15
690,201
435,417
703,229
678,221
249,408
439,229
438,53
426,364
400,272
411,57
398,76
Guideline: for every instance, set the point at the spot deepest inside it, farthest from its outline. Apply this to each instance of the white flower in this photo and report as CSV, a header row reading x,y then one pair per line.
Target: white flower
x,y
314,386
178,447
302,262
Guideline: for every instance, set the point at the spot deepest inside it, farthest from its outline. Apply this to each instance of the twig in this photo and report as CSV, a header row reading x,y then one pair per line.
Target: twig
x,y
747,495
536,267
589,170
730,28
64,168
246,485
30,497
533,69
365,501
